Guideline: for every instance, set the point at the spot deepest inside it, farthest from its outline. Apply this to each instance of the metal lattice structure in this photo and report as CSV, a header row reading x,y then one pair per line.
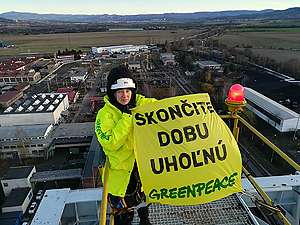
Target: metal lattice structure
x,y
229,210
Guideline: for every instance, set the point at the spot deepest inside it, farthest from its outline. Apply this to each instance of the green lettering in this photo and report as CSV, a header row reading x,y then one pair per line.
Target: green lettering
x,y
164,193
200,187
191,191
217,185
231,181
181,192
173,193
225,179
208,187
153,194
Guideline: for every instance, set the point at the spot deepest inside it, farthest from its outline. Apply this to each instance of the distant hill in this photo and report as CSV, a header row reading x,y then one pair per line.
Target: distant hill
x,y
291,13
4,20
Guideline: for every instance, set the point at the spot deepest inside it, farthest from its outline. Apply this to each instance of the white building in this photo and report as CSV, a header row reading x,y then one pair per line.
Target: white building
x,y
212,65
24,141
65,206
119,49
275,114
44,108
17,177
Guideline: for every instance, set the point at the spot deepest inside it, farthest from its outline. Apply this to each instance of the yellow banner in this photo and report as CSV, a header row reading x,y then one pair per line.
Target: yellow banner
x,y
185,153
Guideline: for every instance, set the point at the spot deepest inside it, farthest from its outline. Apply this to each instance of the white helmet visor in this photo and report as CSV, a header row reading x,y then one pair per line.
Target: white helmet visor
x,y
123,83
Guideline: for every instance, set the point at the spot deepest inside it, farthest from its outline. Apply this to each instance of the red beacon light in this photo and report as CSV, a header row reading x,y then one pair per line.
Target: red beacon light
x,y
236,95
236,98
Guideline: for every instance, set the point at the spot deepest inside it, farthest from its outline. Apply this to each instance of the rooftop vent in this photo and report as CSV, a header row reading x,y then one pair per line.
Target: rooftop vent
x,y
30,108
51,107
9,109
19,109
36,102
40,108
46,102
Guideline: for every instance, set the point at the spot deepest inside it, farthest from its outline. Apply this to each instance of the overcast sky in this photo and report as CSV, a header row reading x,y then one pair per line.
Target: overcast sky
x,y
126,7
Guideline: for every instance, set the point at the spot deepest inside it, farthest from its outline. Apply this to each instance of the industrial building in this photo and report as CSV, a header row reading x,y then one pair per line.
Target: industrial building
x,y
19,76
275,114
17,177
18,200
44,108
211,65
119,49
24,141
78,74
65,206
167,58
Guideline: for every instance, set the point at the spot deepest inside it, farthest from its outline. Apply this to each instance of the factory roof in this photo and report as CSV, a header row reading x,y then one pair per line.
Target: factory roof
x,y
208,63
24,131
53,175
16,197
44,102
74,130
269,105
18,172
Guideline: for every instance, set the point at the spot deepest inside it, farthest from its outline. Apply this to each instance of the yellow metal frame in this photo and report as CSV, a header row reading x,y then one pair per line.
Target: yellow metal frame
x,y
266,200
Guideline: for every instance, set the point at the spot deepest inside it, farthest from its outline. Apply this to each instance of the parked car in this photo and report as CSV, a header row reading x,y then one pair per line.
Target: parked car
x,y
32,208
39,195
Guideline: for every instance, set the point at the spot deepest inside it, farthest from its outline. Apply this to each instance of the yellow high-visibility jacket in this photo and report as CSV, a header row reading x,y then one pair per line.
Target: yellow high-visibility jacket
x,y
114,131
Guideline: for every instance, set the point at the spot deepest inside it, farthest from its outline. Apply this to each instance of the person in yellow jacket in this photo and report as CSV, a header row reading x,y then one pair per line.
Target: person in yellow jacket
x,y
114,130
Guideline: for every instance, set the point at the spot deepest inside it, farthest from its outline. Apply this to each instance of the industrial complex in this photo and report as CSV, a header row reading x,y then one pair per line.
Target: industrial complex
x,y
52,163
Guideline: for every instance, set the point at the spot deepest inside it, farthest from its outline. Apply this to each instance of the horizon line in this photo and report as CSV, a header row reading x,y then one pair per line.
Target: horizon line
x,y
150,13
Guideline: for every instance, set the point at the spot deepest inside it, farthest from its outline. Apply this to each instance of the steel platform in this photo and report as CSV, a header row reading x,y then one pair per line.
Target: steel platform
x,y
227,211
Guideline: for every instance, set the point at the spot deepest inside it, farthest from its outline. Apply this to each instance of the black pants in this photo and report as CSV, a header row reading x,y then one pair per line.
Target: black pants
x,y
133,197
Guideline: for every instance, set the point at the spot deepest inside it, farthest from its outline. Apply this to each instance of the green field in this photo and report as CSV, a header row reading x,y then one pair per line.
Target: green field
x,y
280,44
53,42
269,40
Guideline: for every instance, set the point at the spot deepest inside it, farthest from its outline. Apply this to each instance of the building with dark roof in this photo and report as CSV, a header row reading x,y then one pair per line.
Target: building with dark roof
x,y
44,108
10,218
10,97
18,200
17,177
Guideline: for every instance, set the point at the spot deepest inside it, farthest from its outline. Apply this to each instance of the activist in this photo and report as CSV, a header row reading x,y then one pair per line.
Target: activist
x,y
114,130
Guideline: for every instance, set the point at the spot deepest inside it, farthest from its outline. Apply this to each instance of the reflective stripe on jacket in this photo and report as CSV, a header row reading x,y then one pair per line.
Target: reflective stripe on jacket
x,y
114,131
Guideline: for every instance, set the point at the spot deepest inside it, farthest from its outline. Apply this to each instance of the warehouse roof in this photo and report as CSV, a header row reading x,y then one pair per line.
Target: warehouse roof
x,y
269,105
24,131
17,172
44,102
53,175
16,197
74,130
